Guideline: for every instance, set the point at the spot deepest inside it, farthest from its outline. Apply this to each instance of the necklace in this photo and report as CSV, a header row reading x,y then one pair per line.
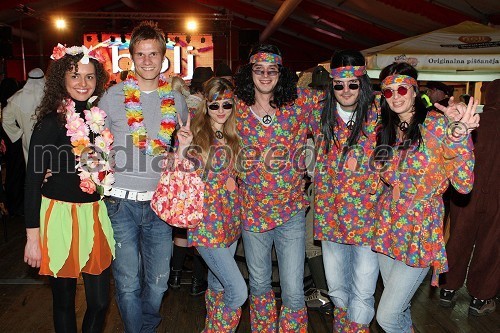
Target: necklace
x,y
135,118
219,135
403,126
266,119
350,123
95,171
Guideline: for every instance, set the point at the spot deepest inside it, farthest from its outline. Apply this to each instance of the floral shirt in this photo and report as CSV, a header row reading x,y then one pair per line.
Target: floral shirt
x,y
220,226
409,227
271,182
345,185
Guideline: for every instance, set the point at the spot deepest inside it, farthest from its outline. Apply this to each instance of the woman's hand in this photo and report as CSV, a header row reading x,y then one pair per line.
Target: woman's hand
x,y
461,112
468,115
184,134
32,251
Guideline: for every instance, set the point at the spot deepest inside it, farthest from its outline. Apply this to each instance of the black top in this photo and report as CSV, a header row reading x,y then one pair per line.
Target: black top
x,y
50,148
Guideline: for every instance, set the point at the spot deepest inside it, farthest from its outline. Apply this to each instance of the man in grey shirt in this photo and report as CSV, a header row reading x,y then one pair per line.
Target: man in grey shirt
x,y
141,117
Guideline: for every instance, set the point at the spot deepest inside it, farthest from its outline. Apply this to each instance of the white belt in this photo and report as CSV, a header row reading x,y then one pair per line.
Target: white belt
x,y
131,195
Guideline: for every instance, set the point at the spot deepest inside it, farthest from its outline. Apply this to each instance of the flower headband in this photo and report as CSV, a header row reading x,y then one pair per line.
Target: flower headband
x,y
227,94
347,72
266,57
60,51
400,79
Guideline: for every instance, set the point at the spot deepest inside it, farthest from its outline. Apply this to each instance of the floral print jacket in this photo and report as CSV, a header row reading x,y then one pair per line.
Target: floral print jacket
x,y
409,226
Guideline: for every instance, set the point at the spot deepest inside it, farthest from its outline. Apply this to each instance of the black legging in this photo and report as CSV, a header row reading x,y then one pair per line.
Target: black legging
x,y
96,294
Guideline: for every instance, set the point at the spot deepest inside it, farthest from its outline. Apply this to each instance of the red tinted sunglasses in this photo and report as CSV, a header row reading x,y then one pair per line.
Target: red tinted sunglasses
x,y
402,90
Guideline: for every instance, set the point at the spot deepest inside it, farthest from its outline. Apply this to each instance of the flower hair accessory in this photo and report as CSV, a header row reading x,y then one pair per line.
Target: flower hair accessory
x,y
347,72
227,94
399,79
266,57
60,51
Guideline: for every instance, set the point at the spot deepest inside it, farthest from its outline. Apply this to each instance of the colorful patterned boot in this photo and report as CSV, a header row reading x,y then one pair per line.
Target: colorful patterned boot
x,y
359,328
226,320
293,321
340,322
211,299
263,315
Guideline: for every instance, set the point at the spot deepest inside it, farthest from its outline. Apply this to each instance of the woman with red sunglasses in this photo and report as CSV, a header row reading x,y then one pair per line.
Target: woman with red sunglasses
x,y
422,153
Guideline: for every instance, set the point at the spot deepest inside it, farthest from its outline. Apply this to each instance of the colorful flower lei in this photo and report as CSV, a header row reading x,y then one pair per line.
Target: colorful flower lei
x,y
60,51
135,118
93,158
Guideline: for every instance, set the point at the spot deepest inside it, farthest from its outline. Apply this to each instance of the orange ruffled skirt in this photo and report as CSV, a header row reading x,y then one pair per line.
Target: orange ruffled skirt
x,y
75,238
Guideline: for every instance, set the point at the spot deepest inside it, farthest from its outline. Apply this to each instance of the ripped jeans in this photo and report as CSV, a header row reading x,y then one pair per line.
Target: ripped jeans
x,y
142,264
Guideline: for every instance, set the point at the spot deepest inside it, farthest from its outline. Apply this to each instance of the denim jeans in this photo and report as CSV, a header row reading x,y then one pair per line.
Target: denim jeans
x,y
400,284
224,274
289,242
142,264
351,272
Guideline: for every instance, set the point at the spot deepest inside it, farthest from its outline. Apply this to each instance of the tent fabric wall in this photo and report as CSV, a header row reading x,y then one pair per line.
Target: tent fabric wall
x,y
464,52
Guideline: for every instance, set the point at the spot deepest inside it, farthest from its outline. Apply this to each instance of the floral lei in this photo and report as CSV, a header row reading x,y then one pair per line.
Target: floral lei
x,y
93,159
135,118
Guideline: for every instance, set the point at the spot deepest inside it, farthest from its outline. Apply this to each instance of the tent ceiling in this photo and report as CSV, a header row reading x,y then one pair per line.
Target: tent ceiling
x,y
309,32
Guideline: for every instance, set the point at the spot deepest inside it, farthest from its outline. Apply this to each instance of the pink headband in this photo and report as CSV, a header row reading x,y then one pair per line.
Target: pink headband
x,y
266,57
399,79
60,51
347,72
227,94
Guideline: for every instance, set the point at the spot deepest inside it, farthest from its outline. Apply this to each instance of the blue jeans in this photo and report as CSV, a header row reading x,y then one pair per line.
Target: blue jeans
x,y
400,284
224,274
289,242
142,264
351,272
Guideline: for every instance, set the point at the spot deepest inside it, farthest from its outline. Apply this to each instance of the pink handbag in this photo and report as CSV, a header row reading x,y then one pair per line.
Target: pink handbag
x,y
178,198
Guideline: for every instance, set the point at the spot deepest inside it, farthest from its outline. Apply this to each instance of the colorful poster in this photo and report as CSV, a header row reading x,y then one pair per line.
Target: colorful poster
x,y
185,52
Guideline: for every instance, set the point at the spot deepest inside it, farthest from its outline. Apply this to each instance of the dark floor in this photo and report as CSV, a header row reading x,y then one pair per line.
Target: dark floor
x,y
25,303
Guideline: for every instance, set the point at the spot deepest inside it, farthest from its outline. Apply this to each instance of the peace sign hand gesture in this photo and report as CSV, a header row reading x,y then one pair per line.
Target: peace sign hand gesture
x,y
184,134
461,112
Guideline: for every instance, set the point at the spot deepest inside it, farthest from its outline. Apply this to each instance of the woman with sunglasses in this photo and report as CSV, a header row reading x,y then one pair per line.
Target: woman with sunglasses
x,y
344,197
422,152
213,139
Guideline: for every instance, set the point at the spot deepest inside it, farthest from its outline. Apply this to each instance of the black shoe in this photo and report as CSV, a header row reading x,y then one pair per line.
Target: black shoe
x,y
174,280
198,286
446,298
481,307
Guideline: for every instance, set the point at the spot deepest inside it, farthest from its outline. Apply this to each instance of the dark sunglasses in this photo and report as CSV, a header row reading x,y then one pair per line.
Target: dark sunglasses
x,y
402,90
352,86
215,106
261,72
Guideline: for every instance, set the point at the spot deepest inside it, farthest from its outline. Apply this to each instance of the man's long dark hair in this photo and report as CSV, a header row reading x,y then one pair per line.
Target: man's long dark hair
x,y
285,91
387,131
365,98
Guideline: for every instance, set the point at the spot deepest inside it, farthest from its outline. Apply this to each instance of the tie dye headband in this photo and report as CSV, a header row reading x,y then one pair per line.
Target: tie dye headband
x,y
347,72
399,79
227,94
266,57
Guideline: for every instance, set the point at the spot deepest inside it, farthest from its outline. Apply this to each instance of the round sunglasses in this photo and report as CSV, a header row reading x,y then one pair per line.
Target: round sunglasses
x,y
402,90
216,106
352,86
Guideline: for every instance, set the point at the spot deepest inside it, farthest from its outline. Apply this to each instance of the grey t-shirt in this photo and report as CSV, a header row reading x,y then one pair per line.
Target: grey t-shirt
x,y
135,170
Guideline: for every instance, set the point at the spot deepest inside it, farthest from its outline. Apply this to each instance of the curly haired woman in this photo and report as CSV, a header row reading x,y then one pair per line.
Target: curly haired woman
x,y
68,229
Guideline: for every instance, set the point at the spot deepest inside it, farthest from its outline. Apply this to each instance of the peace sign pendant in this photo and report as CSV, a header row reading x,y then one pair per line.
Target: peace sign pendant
x,y
267,119
219,135
403,126
350,124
